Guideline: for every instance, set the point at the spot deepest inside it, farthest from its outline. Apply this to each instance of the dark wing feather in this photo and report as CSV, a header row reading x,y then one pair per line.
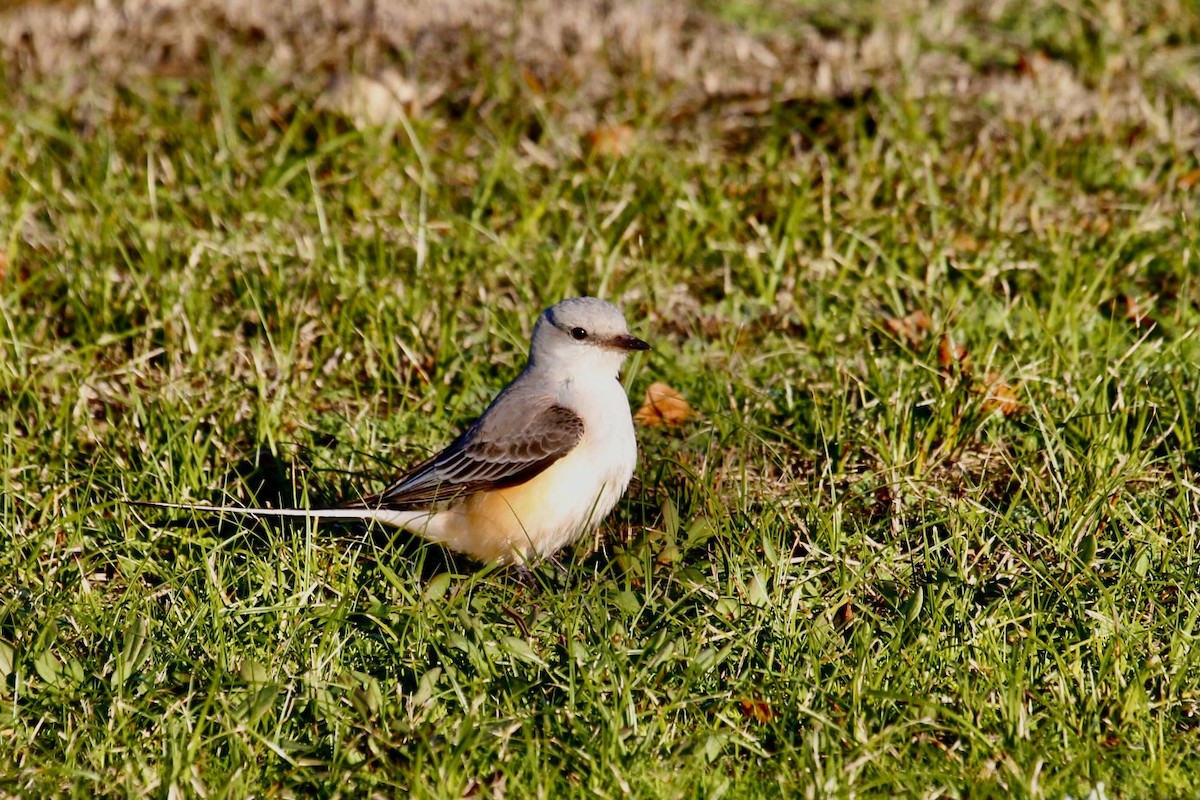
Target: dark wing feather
x,y
482,460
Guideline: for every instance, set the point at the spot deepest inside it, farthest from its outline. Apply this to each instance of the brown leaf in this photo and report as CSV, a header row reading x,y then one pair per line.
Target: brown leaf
x,y
493,785
966,243
911,329
1129,308
953,357
884,501
3,263
1025,65
999,396
610,141
843,616
536,87
663,406
1135,313
757,709
1189,179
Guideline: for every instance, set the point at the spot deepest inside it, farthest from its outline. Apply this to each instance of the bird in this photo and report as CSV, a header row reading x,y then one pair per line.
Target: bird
x,y
541,467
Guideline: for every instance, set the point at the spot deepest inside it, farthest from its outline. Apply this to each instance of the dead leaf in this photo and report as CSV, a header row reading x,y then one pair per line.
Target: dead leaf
x,y
533,82
1129,309
494,785
3,263
662,406
1026,64
1189,179
999,396
1136,313
965,243
911,328
757,709
843,616
953,357
885,499
610,141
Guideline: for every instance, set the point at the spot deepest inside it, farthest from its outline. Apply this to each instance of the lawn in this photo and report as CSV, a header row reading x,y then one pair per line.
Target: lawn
x,y
928,277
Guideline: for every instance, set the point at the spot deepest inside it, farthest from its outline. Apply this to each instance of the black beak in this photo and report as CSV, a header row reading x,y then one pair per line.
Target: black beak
x,y
625,341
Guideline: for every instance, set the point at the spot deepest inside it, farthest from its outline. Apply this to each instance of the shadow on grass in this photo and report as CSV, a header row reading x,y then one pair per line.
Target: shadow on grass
x,y
268,483
265,477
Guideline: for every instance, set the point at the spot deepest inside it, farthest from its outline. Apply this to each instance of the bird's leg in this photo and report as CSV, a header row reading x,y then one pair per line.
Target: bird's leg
x,y
524,575
554,561
530,577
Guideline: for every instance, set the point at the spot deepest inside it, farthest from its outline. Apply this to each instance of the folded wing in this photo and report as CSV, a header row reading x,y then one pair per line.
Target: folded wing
x,y
504,448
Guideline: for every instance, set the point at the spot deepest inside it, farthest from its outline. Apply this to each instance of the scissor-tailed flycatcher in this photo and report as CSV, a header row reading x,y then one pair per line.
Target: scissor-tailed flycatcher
x,y
545,463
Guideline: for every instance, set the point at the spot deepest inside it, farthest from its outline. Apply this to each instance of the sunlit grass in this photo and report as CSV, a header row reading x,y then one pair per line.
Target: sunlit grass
x,y
850,573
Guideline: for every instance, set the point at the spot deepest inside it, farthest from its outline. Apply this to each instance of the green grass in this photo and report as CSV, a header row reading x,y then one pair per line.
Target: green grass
x,y
849,575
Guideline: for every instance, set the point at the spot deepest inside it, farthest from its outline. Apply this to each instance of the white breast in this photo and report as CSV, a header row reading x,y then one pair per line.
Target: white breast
x,y
589,480
560,504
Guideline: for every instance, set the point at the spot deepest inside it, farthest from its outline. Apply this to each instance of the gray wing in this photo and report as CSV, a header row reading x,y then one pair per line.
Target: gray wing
x,y
508,445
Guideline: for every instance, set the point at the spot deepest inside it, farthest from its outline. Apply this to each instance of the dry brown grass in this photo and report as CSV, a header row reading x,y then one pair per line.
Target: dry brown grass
x,y
592,49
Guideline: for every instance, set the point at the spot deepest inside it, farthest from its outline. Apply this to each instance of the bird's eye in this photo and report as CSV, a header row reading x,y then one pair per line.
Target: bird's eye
x,y
578,334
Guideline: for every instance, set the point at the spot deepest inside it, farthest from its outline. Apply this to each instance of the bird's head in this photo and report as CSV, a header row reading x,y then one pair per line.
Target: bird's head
x,y
582,333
